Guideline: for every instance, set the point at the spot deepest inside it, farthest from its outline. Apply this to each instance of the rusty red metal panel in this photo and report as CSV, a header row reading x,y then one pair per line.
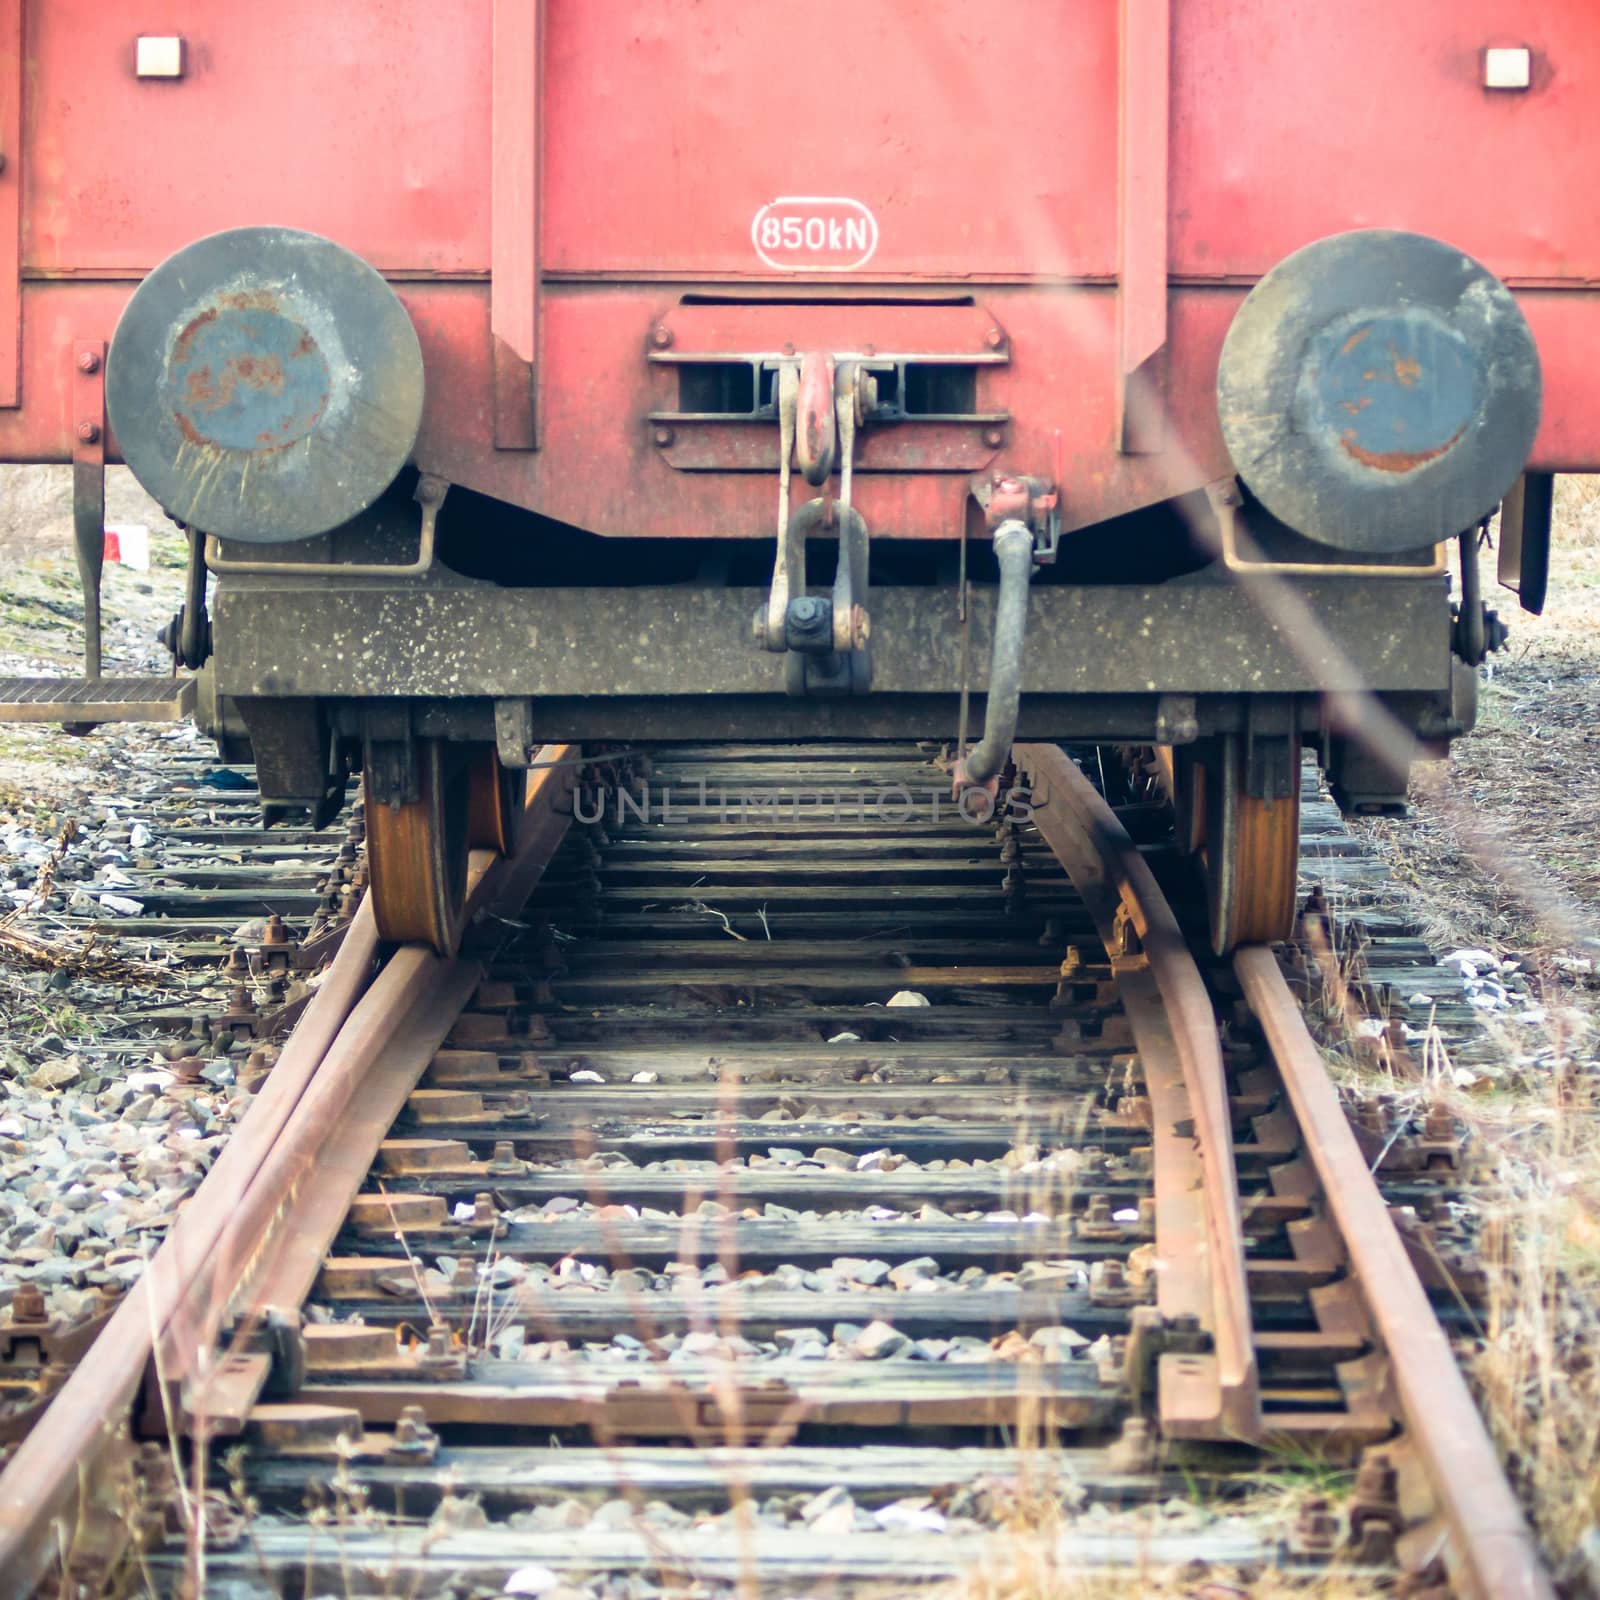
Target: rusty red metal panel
x,y
1294,119
366,122
10,202
962,332
1145,47
600,468
606,474
980,137
514,222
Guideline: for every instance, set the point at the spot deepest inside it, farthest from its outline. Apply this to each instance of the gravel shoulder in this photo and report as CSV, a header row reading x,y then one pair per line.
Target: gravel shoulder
x,y
97,1145
1500,856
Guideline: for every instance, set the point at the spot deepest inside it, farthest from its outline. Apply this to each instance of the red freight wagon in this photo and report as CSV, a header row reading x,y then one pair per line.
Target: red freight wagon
x,y
588,371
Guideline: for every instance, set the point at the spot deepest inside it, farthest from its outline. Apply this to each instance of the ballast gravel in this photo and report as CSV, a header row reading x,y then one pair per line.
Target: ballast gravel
x,y
107,1125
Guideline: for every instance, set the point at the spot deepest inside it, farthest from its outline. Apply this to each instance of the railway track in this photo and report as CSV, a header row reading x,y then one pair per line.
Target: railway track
x,y
824,1190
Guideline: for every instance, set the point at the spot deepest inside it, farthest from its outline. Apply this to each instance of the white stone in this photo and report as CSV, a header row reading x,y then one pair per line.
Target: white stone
x,y
1057,1343
840,1519
878,1341
910,1272
912,1516
531,1580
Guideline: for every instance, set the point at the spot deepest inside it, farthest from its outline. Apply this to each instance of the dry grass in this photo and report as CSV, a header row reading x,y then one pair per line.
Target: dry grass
x,y
1535,1366
1503,848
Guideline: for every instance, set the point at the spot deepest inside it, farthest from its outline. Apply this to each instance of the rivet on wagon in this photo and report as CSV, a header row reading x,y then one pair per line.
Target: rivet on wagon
x,y
994,338
88,362
663,437
994,437
88,432
661,338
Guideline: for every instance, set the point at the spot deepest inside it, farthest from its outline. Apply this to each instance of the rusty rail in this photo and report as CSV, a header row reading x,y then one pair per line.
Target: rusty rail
x,y
299,1198
1490,1551
235,1214
1203,1264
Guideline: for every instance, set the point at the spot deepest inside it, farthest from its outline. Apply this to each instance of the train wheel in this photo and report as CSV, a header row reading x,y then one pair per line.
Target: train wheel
x,y
1250,852
495,804
417,853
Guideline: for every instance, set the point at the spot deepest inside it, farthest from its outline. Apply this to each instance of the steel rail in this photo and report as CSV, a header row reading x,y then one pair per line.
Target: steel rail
x,y
50,1478
1142,935
414,977
298,1199
1490,1553
42,1479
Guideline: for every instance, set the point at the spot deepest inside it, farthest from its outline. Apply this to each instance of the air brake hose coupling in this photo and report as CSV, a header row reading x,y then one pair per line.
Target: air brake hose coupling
x,y
1013,550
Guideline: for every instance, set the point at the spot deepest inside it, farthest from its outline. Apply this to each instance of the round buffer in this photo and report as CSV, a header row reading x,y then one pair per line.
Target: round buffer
x,y
1379,391
264,384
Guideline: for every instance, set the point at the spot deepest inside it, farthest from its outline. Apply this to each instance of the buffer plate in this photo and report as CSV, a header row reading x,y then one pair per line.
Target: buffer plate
x,y
1379,391
264,384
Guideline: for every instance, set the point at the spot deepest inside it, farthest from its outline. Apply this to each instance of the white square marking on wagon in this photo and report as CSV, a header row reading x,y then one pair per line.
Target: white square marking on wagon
x,y
159,56
1506,68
